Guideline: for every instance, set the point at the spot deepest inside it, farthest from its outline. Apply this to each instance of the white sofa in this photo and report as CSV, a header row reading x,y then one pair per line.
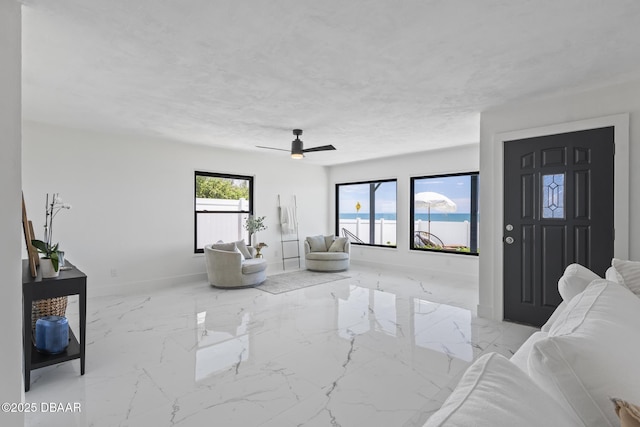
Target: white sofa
x,y
326,253
566,374
233,265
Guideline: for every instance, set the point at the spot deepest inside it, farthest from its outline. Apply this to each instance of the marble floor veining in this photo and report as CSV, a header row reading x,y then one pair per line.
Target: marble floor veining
x,y
380,348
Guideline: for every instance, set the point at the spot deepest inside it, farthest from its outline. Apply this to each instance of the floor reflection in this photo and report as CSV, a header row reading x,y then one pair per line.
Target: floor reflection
x,y
443,328
219,350
440,327
365,310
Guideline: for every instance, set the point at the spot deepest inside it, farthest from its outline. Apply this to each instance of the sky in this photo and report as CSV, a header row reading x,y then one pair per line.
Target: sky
x,y
457,188
350,195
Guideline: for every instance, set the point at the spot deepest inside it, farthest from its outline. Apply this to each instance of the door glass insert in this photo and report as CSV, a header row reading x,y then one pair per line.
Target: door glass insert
x,y
553,196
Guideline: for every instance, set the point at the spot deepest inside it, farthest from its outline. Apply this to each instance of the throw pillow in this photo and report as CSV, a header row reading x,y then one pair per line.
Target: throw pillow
x,y
628,274
242,257
242,246
591,352
231,247
317,243
495,392
328,240
554,316
611,275
338,244
574,280
629,414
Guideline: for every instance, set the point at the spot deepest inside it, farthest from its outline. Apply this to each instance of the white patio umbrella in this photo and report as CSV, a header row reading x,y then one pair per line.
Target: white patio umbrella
x,y
437,201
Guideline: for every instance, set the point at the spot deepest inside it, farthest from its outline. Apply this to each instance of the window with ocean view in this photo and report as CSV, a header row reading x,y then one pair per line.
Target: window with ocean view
x,y
445,215
366,212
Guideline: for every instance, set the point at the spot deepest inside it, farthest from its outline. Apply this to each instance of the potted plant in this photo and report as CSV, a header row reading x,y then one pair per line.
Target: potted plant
x,y
254,224
50,262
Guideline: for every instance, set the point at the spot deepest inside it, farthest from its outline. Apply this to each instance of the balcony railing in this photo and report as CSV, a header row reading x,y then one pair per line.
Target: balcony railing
x,y
445,233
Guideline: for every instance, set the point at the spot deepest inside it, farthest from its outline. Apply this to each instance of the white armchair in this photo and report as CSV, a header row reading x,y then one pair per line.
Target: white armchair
x,y
326,253
227,269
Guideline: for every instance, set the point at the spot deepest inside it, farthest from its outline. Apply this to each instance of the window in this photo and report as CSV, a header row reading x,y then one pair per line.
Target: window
x,y
444,213
222,204
553,196
366,212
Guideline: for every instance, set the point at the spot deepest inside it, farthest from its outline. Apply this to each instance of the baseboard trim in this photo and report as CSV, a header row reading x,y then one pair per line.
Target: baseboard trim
x,y
416,270
146,286
486,311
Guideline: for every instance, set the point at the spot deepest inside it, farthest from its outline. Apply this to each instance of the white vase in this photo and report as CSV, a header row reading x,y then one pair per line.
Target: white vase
x,y
46,268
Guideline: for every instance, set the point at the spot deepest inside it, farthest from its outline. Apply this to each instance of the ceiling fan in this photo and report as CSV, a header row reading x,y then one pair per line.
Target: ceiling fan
x,y
297,152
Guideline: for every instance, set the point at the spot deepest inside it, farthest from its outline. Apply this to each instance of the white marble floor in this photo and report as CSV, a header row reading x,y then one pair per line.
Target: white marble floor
x,y
380,348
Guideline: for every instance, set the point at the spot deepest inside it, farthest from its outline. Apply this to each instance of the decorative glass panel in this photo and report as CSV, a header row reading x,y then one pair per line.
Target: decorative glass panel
x,y
553,196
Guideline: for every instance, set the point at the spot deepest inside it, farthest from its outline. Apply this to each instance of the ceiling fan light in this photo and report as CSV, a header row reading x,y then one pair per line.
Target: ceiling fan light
x,y
296,149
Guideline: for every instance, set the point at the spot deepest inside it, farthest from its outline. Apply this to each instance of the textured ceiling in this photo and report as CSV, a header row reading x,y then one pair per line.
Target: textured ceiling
x,y
372,77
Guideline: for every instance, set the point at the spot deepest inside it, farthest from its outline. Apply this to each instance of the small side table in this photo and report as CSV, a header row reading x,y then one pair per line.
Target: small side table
x,y
68,282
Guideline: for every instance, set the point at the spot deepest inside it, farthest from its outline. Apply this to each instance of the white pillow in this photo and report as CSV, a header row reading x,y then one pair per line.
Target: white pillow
x,y
521,357
554,316
317,243
230,247
338,245
610,275
574,280
628,274
328,240
495,392
242,246
591,353
242,258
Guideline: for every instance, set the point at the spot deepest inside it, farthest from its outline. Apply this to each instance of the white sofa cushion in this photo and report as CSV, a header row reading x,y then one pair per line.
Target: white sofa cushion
x,y
254,265
628,274
570,286
591,353
610,274
338,245
521,357
327,256
242,247
317,243
575,280
328,240
230,247
554,316
495,392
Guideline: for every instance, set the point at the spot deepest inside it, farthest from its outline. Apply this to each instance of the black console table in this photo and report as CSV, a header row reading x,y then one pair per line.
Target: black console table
x,y
69,282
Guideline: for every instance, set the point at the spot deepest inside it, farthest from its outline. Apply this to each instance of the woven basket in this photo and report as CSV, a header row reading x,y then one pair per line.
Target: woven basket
x,y
47,307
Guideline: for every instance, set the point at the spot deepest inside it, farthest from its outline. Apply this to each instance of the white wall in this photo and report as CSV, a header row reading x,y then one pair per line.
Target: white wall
x,y
617,105
11,385
133,201
454,160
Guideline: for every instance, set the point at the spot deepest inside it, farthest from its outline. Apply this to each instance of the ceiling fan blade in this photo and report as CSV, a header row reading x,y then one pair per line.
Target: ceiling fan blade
x,y
321,148
272,148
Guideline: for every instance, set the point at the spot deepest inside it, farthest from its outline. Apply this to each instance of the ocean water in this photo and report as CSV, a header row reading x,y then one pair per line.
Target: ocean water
x,y
444,217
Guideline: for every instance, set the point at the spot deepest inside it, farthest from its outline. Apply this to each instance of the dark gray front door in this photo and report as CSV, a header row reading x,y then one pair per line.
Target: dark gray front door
x,y
558,209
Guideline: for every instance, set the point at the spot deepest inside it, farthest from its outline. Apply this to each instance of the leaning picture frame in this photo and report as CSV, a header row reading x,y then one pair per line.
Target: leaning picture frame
x,y
27,227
